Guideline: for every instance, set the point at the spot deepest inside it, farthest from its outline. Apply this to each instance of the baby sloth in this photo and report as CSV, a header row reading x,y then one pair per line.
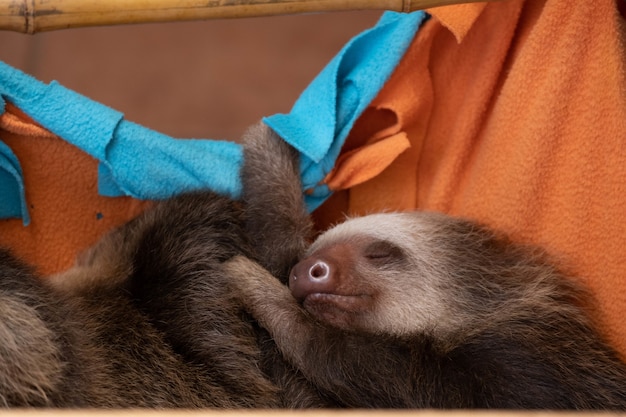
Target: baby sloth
x,y
182,307
425,310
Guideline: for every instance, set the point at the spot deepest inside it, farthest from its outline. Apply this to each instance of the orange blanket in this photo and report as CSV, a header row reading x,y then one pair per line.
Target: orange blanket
x,y
510,112
515,112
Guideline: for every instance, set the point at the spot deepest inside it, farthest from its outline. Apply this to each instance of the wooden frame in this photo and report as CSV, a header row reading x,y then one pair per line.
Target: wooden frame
x,y
32,16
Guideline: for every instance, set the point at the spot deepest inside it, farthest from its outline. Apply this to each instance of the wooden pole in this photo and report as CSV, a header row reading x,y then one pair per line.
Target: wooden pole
x,y
32,16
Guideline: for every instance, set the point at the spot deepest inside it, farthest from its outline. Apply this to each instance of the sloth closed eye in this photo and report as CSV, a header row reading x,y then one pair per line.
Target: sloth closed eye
x,y
383,252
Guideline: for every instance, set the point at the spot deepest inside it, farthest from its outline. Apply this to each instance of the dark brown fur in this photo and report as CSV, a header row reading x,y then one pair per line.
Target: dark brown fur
x,y
147,319
423,310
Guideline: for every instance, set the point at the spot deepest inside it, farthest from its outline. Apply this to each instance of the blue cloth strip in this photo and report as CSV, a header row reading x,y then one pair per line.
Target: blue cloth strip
x,y
134,161
139,162
185,165
12,197
325,112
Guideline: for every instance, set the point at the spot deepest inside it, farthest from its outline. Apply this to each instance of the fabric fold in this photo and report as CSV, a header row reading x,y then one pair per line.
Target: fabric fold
x,y
364,163
188,165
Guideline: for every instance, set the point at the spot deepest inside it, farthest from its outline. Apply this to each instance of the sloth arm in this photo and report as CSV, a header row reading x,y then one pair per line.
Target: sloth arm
x,y
355,368
273,306
277,222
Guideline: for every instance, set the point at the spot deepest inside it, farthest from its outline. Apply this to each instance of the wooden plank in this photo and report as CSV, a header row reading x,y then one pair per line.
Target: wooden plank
x,y
32,16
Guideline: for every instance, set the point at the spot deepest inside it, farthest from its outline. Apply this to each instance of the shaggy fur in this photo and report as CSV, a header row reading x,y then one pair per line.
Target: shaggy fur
x,y
423,310
146,318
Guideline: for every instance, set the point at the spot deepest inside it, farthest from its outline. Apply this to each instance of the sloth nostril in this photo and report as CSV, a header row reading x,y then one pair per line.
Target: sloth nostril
x,y
319,270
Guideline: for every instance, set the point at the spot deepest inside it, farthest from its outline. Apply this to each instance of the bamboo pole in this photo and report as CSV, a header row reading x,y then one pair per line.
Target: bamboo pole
x,y
32,16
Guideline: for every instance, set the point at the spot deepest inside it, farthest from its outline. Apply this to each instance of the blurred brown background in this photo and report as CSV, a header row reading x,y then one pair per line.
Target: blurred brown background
x,y
206,79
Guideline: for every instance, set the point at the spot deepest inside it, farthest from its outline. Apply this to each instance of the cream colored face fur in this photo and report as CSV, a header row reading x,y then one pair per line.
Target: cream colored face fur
x,y
413,295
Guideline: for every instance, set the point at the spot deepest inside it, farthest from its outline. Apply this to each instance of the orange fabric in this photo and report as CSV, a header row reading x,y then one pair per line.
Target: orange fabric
x,y
366,162
67,214
516,115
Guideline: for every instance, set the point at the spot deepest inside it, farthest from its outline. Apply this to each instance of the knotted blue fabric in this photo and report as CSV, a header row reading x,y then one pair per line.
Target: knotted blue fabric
x,y
142,163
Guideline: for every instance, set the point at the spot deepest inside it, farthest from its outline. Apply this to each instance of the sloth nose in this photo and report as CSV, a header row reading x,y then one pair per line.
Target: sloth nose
x,y
311,275
319,270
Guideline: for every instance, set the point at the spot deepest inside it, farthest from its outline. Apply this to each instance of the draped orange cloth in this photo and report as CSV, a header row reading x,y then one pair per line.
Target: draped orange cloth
x,y
512,113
